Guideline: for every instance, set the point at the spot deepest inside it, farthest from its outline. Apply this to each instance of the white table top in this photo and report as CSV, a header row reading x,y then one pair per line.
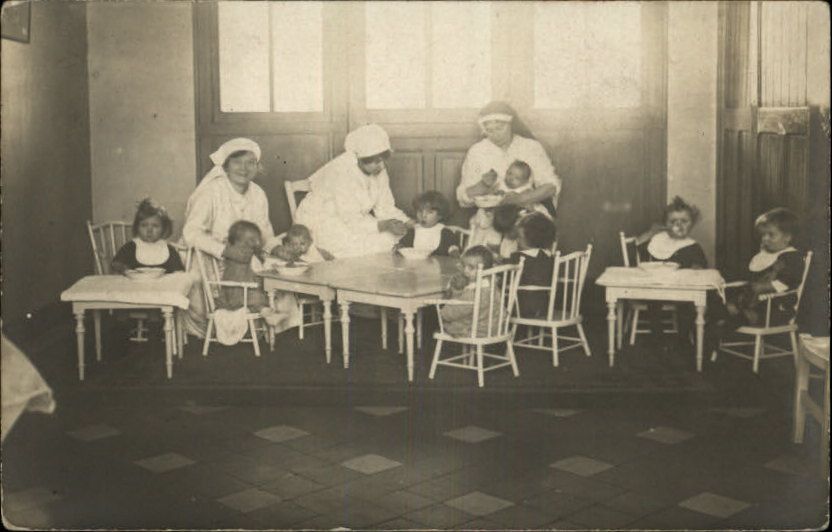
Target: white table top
x,y
619,276
816,345
168,290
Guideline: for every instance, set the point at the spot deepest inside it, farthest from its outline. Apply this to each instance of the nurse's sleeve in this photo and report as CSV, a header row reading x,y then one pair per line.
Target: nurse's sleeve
x,y
197,228
385,207
270,240
347,208
542,168
471,174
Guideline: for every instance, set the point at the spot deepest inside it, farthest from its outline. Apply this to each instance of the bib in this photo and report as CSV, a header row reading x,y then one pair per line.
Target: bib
x,y
663,247
154,254
764,259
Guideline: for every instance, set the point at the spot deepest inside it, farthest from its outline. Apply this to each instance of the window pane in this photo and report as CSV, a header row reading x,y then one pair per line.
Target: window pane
x,y
395,51
244,56
461,54
297,42
587,54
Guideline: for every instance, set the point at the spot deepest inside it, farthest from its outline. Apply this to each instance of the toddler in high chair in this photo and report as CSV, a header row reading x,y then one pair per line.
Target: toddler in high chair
x,y
457,319
429,233
243,253
670,241
149,247
297,246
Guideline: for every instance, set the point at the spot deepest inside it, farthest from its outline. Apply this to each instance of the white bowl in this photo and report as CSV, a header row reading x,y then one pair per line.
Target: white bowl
x,y
659,267
414,254
487,201
144,273
291,271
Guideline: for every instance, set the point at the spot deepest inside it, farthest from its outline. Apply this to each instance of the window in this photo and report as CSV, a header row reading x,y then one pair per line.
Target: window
x,y
587,54
270,56
427,55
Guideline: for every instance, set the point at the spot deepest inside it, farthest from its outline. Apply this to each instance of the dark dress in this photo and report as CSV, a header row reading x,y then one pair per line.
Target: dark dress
x,y
686,257
537,271
788,270
127,256
447,240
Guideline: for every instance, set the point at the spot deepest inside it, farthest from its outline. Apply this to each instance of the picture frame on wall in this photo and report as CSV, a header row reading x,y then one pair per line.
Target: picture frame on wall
x,y
15,20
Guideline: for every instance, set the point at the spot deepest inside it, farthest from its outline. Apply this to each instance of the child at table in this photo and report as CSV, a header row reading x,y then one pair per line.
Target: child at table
x,y
670,241
243,253
297,246
149,247
535,237
430,233
457,319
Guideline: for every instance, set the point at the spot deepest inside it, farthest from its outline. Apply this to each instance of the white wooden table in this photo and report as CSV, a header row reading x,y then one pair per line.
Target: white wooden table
x,y
681,285
168,293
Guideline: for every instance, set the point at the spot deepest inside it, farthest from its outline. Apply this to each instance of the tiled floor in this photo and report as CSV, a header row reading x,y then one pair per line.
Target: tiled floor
x,y
582,446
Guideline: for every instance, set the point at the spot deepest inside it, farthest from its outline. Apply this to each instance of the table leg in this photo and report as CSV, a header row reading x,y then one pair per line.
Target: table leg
x,y
180,332
345,331
383,328
801,384
79,335
327,303
619,325
700,335
96,315
168,314
408,331
419,329
611,331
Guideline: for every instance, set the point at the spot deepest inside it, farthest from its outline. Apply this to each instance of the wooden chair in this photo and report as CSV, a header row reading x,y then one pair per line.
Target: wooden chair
x,y
462,235
568,277
497,286
763,350
293,189
632,323
209,271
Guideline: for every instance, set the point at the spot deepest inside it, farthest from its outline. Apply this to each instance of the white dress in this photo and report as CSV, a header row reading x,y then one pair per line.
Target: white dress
x,y
211,211
485,155
344,206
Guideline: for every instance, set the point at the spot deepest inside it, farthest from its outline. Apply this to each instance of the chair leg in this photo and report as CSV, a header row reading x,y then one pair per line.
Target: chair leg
x,y
208,332
634,327
480,371
436,352
419,329
793,336
253,331
384,328
512,358
758,349
270,333
583,340
401,332
674,318
302,320
555,360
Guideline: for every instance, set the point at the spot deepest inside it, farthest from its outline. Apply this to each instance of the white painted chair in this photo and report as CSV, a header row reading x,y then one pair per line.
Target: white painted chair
x,y
564,310
293,189
762,349
497,287
209,271
632,323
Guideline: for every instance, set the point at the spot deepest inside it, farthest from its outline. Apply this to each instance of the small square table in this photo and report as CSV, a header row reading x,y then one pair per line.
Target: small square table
x,y
104,292
679,285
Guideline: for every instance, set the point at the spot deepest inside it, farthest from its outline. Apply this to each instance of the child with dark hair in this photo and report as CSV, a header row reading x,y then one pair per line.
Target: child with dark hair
x,y
535,236
297,246
456,318
430,233
149,247
777,267
245,243
670,241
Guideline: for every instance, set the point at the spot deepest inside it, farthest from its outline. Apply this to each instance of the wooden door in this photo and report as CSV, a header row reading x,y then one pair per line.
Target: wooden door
x,y
773,151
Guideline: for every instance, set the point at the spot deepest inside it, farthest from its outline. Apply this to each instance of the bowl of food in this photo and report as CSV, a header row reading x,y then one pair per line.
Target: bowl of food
x,y
659,266
144,273
488,201
291,269
414,254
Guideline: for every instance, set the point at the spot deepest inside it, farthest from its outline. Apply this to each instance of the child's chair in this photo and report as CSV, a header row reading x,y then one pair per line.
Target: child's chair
x,y
568,276
763,350
498,284
106,239
209,271
293,190
632,322
462,235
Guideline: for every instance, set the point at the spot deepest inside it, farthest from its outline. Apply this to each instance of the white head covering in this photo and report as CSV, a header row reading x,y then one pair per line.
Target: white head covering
x,y
367,141
219,157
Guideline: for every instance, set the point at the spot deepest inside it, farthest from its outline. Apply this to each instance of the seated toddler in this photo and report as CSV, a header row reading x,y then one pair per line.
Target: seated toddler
x,y
151,226
297,246
457,320
535,237
430,233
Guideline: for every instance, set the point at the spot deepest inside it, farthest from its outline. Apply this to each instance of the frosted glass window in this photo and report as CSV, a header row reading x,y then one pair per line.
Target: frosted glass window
x,y
297,44
395,55
244,56
587,54
461,54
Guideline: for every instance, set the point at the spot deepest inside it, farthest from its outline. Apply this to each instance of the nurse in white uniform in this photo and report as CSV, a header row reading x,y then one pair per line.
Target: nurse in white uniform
x,y
350,209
